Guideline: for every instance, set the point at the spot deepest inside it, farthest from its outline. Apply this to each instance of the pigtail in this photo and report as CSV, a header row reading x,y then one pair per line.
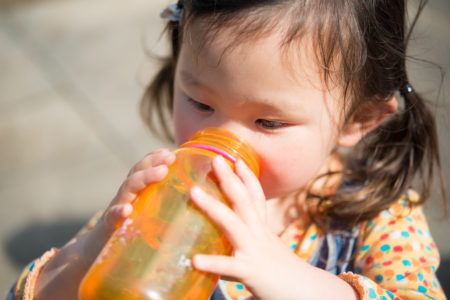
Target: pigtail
x,y
423,140
157,99
156,103
402,147
383,166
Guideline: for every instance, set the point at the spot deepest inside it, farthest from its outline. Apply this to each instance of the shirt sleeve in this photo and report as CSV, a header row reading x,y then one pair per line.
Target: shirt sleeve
x,y
396,257
23,288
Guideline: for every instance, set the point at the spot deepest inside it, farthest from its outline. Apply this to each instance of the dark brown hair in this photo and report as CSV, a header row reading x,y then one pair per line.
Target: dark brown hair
x,y
360,45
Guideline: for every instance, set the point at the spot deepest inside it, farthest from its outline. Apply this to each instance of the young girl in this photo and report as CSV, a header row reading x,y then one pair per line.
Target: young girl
x,y
300,81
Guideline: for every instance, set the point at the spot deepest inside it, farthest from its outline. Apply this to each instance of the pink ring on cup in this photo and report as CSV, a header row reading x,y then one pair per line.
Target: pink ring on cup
x,y
215,150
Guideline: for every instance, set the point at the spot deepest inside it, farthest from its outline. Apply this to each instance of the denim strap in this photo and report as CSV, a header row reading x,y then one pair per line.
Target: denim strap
x,y
335,251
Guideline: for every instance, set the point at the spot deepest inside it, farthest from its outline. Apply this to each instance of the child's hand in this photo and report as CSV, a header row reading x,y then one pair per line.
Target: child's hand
x,y
61,277
152,168
261,261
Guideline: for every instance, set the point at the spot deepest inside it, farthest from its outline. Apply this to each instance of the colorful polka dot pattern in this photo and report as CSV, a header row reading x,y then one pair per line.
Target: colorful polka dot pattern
x,y
399,255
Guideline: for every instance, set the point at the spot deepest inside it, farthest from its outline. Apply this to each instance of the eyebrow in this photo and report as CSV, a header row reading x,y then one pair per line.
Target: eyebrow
x,y
190,78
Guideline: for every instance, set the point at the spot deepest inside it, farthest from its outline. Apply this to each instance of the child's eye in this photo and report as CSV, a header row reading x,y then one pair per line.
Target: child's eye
x,y
200,106
266,124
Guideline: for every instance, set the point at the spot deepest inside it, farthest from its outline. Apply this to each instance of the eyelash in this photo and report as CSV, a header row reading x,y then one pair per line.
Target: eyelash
x,y
271,125
200,106
265,124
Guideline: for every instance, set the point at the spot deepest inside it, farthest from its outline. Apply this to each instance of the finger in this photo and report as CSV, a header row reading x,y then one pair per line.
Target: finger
x,y
253,185
222,265
234,189
138,181
221,215
115,214
153,159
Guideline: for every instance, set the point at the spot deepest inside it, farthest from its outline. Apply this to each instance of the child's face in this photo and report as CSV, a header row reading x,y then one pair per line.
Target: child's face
x,y
282,110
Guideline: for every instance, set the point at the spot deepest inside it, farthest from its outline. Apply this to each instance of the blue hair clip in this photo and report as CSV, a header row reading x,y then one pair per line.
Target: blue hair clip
x,y
173,12
407,89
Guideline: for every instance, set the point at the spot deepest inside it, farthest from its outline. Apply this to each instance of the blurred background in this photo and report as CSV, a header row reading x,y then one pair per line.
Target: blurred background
x,y
71,75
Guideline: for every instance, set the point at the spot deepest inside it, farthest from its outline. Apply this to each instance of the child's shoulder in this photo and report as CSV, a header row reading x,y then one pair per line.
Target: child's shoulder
x,y
401,227
396,250
406,211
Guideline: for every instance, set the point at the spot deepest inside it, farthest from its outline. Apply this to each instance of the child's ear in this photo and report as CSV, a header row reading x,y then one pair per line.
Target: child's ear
x,y
365,120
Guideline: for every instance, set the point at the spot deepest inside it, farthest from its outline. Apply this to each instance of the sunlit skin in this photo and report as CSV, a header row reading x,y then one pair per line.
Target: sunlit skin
x,y
279,111
291,119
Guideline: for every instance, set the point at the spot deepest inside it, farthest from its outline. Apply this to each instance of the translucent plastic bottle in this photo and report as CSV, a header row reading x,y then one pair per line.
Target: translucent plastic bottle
x,y
148,257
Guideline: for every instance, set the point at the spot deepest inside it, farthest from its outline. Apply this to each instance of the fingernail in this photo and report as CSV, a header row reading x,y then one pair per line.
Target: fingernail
x,y
160,151
126,210
198,260
240,163
165,154
220,160
160,168
197,191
